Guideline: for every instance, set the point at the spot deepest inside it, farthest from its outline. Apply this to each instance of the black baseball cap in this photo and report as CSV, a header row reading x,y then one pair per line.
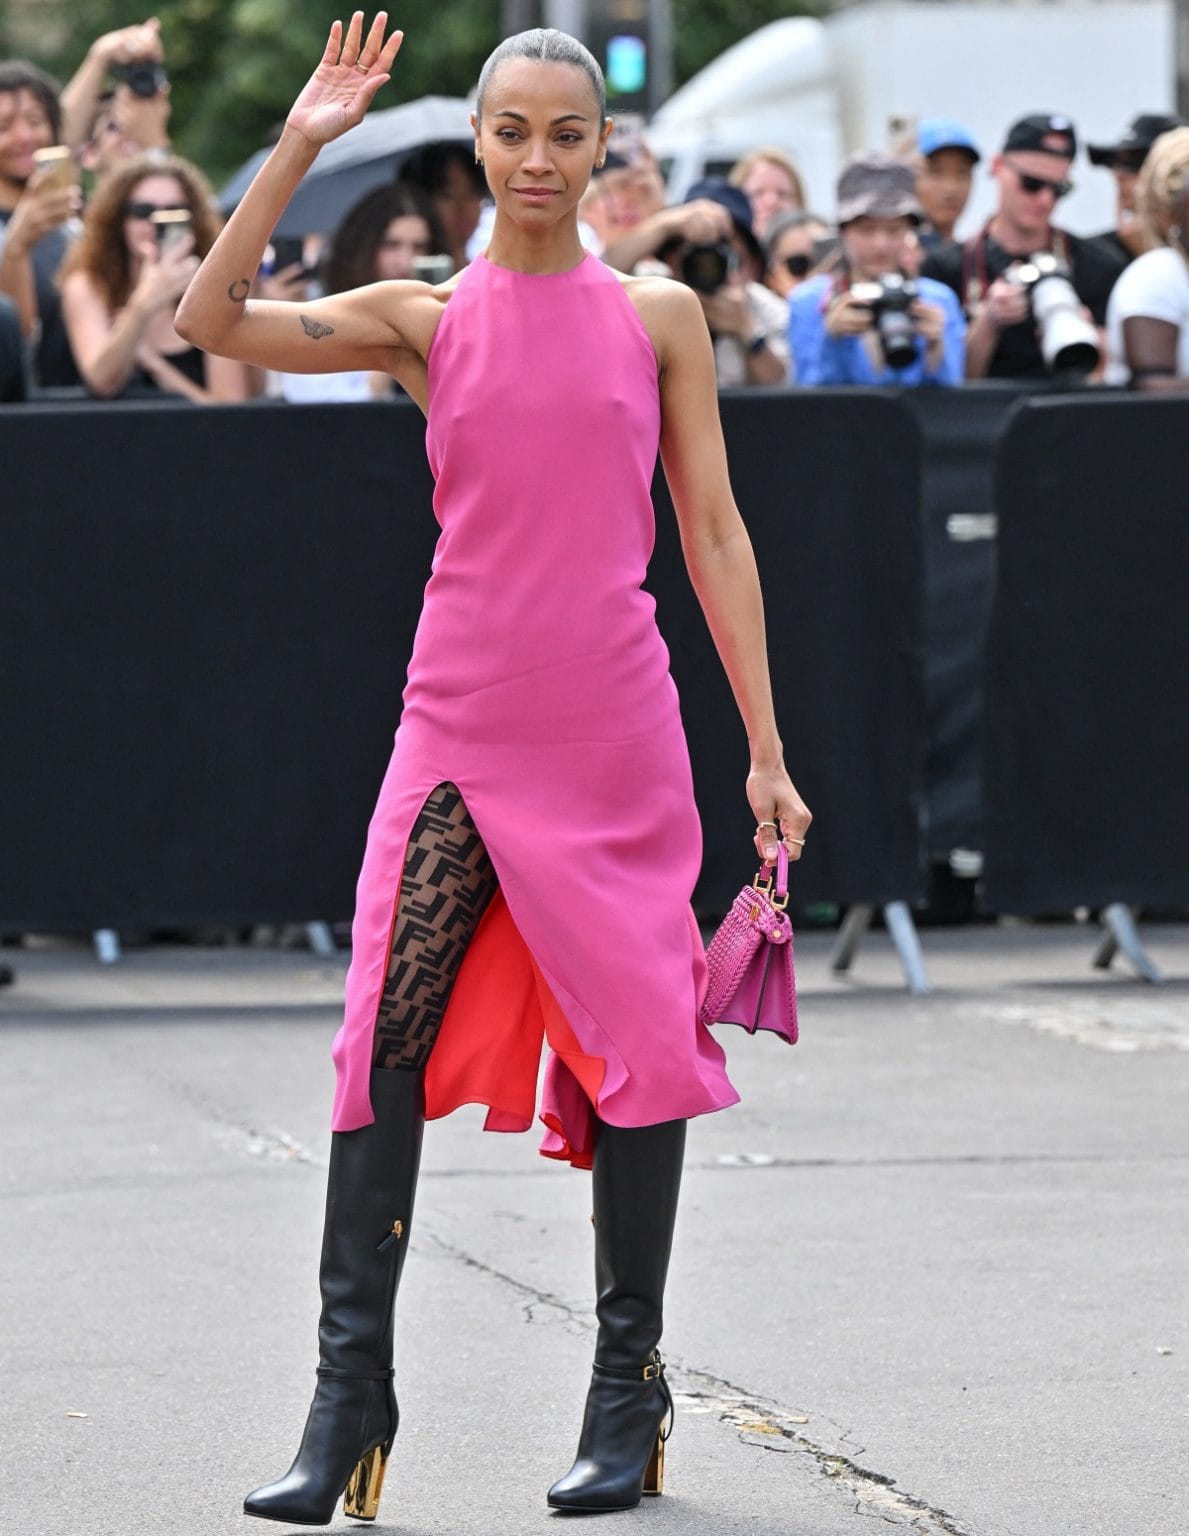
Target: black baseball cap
x,y
1142,132
1049,132
719,190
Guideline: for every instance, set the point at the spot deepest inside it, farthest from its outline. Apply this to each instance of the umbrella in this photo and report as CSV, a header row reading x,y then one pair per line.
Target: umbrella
x,y
367,156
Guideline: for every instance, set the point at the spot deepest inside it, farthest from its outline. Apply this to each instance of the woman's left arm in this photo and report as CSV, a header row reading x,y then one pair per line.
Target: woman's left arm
x,y
717,550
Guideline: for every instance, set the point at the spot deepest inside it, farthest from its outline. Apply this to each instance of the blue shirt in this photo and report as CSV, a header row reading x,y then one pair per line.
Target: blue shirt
x,y
822,359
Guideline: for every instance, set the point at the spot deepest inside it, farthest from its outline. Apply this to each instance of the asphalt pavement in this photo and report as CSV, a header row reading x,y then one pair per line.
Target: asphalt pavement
x,y
931,1275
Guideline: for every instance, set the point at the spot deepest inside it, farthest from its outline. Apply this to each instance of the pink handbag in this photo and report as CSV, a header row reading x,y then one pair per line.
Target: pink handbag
x,y
750,958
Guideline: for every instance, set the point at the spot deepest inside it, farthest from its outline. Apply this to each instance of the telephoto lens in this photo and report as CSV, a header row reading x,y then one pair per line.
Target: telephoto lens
x,y
1068,341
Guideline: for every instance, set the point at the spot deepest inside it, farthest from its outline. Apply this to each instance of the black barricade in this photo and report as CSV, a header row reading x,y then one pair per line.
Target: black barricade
x,y
1087,771
827,484
205,618
960,428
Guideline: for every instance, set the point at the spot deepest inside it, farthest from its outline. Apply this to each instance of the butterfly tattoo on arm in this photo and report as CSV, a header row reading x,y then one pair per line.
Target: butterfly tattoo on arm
x,y
314,328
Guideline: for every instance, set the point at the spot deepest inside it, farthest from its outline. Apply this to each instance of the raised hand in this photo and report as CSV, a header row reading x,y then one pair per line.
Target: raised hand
x,y
341,89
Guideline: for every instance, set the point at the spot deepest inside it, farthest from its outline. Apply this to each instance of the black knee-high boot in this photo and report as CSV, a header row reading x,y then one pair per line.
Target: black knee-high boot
x,y
637,1177
353,1418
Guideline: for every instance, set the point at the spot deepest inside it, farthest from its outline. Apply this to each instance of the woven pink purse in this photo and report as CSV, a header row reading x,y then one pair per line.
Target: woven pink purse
x,y
750,958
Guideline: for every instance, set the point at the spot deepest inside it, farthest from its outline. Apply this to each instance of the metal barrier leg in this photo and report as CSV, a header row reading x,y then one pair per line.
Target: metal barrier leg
x,y
321,940
107,945
908,945
850,936
1121,934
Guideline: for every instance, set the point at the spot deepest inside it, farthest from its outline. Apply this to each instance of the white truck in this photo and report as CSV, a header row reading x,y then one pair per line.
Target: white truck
x,y
822,90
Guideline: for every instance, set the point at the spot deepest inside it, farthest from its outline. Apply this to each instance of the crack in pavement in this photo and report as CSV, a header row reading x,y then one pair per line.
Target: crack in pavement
x,y
760,1423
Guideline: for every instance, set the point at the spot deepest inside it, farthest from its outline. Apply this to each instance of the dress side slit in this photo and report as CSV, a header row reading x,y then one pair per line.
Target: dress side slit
x,y
447,882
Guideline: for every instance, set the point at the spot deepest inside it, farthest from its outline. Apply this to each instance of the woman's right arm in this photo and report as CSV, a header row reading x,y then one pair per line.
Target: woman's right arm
x,y
347,331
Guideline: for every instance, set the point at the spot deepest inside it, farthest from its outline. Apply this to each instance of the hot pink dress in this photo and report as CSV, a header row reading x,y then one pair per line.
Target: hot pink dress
x,y
540,686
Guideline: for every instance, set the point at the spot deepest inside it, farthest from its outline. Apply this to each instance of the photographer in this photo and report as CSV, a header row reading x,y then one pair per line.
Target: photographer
x,y
709,244
868,322
1032,175
138,107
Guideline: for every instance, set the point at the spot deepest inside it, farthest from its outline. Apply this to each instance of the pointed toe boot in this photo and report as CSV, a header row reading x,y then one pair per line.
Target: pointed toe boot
x,y
629,1408
353,1418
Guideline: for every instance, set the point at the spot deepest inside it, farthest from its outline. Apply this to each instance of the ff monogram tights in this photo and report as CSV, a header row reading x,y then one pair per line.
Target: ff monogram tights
x,y
446,885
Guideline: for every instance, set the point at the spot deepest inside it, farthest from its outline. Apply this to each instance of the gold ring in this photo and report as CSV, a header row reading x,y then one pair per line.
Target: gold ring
x,y
760,825
800,841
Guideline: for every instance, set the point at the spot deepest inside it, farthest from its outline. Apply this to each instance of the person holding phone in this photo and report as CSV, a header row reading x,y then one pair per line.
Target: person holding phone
x,y
146,229
39,204
382,238
530,862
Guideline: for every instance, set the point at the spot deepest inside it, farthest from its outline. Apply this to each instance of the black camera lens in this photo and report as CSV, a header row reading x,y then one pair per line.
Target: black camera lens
x,y
798,265
143,77
704,268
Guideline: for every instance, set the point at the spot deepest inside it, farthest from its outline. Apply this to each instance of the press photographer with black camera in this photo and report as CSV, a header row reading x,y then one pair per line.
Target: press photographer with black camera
x,y
869,322
1023,280
708,242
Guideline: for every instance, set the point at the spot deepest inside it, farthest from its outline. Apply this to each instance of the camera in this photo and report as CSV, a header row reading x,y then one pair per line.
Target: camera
x,y
1068,342
143,77
890,299
705,268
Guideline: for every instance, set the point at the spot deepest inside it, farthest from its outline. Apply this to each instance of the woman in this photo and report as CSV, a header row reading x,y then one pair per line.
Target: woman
x,y
772,184
120,288
379,240
456,190
839,322
791,249
1147,318
535,845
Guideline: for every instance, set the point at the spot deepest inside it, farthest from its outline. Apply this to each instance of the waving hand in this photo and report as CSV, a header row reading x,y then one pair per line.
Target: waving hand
x,y
341,89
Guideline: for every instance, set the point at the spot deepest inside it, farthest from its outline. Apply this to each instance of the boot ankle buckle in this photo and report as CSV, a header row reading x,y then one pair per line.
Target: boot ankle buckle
x,y
654,1369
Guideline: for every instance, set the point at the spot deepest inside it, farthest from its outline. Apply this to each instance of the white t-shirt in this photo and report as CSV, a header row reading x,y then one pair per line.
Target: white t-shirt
x,y
1156,284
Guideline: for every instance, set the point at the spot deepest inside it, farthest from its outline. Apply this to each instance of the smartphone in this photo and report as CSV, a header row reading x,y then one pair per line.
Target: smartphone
x,y
58,163
432,269
172,226
287,251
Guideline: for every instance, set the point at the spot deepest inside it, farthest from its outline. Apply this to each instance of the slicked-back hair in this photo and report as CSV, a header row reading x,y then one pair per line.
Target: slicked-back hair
x,y
19,75
547,46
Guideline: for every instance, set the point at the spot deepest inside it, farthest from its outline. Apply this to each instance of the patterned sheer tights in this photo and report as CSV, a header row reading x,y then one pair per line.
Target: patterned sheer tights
x,y
447,883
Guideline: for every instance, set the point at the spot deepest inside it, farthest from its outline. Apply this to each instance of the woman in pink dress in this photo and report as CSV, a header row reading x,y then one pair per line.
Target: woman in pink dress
x,y
533,851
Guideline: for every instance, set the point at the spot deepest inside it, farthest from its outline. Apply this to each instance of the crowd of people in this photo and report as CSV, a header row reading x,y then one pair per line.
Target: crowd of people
x,y
875,291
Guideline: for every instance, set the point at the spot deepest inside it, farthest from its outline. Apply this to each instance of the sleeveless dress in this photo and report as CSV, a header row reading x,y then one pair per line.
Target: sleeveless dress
x,y
540,686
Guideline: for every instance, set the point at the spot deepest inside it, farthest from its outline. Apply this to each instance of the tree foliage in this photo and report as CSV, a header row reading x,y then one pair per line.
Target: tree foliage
x,y
235,65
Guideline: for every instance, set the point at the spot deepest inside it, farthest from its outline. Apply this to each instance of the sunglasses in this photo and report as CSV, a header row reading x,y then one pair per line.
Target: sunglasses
x,y
147,210
1034,184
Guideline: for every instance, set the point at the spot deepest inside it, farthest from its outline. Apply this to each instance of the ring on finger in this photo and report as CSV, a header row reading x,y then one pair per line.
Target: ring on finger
x,y
760,825
800,841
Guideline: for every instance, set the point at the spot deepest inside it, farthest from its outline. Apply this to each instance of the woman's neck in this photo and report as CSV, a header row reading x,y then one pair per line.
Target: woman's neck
x,y
537,252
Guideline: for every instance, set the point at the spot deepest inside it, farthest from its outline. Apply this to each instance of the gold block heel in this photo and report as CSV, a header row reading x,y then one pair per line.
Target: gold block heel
x,y
361,1498
654,1476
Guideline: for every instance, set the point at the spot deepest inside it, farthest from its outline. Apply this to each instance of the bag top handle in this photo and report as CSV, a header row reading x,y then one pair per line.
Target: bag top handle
x,y
763,879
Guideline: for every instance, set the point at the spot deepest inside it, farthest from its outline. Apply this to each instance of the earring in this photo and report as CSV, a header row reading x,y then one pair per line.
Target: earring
x,y
478,159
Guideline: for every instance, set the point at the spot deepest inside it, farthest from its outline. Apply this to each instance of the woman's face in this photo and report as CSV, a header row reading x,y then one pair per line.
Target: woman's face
x,y
770,191
539,139
457,203
793,246
874,246
150,195
24,127
405,238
